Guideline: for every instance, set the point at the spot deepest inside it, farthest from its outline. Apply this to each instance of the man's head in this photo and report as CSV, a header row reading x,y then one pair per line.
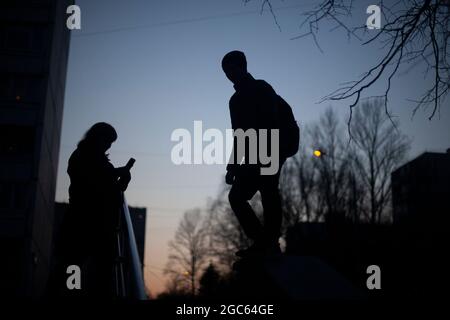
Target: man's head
x,y
234,65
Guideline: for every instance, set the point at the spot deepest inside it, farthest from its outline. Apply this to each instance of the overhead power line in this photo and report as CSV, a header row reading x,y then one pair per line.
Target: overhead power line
x,y
184,21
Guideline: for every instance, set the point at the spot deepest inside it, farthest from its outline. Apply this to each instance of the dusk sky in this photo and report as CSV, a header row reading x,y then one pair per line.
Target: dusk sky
x,y
150,67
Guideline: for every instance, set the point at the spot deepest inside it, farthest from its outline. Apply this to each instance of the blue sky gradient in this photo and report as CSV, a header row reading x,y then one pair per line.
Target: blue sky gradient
x,y
149,67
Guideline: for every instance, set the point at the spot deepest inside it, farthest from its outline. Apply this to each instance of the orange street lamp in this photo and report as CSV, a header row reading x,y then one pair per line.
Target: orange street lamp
x,y
318,153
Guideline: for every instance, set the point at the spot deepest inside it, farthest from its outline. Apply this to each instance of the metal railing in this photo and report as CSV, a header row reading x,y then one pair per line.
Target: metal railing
x,y
129,282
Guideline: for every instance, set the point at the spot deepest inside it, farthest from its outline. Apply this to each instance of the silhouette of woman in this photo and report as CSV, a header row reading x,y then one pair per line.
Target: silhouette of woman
x,y
88,229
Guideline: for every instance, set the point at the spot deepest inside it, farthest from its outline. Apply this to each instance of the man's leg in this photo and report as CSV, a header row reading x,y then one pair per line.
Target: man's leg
x,y
271,202
243,189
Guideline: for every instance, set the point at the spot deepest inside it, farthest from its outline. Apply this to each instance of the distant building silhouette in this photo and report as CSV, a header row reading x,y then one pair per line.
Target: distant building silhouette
x,y
421,208
421,190
139,219
34,46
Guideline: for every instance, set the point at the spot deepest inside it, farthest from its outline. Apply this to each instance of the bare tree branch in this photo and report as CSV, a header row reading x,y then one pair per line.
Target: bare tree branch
x,y
412,32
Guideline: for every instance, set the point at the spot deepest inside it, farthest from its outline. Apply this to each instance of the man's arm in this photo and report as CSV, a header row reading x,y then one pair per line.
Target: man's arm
x,y
235,124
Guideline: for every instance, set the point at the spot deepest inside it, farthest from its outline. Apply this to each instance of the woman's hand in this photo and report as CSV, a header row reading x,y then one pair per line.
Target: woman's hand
x,y
124,179
121,171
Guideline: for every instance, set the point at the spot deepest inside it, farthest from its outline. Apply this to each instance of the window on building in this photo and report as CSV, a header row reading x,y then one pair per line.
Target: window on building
x,y
2,38
13,195
16,140
5,87
21,195
21,87
24,39
5,195
18,39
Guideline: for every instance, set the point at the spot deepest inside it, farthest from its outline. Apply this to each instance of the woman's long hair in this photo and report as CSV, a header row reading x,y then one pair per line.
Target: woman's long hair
x,y
101,131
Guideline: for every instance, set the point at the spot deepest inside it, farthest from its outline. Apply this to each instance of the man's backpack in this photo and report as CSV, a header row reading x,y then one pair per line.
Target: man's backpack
x,y
289,130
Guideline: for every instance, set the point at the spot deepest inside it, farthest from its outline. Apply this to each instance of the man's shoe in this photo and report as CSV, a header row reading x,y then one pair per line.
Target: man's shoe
x,y
273,250
252,251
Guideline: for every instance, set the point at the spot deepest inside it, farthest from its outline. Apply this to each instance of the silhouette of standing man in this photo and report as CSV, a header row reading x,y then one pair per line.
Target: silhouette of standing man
x,y
253,106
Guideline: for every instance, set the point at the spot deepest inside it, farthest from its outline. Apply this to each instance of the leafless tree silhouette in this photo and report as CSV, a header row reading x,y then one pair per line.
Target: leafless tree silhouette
x,y
413,33
188,250
332,167
314,188
378,149
348,181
